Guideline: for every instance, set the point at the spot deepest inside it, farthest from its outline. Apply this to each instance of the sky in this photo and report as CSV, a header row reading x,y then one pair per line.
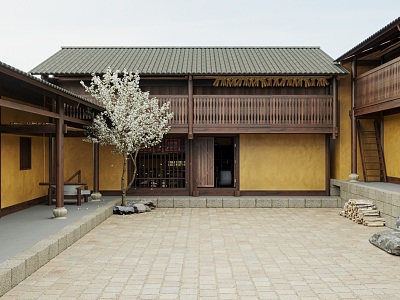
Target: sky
x,y
33,30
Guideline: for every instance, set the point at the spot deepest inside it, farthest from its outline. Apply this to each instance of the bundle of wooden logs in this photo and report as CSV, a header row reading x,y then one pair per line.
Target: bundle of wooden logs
x,y
363,212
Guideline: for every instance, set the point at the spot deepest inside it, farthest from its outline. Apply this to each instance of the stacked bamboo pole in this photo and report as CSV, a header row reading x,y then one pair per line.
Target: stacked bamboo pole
x,y
363,212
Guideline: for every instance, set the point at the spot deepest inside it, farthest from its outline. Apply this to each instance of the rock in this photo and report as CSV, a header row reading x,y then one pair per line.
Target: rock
x,y
139,208
387,240
123,210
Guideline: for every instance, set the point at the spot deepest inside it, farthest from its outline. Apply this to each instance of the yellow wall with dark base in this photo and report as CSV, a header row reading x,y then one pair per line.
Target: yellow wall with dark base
x,y
18,186
282,162
392,145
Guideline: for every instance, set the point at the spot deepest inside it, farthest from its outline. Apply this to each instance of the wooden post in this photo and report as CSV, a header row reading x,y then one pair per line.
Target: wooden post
x,y
353,118
327,164
190,107
96,196
334,107
60,211
96,167
191,174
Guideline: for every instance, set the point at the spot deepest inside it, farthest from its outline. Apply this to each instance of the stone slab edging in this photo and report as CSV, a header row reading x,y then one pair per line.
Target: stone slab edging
x,y
19,267
387,201
244,202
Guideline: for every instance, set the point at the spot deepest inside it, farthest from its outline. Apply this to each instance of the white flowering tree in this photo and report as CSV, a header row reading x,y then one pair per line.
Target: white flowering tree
x,y
131,120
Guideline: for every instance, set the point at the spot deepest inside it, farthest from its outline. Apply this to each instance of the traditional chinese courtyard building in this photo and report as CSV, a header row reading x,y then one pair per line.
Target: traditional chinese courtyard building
x,y
247,120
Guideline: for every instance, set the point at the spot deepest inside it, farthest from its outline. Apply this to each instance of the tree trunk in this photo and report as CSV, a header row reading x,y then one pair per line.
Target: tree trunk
x,y
123,188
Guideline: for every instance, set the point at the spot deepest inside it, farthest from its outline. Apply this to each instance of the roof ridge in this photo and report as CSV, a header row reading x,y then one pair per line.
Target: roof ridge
x,y
190,47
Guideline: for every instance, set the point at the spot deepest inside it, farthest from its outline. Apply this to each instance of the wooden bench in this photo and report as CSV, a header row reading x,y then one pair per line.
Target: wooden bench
x,y
77,191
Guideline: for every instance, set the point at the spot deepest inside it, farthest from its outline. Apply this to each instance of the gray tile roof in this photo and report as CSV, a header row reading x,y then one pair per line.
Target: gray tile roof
x,y
380,36
5,68
191,60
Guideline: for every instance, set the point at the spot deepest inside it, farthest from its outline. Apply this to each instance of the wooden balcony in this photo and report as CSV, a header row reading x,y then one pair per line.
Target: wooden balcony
x,y
378,89
253,114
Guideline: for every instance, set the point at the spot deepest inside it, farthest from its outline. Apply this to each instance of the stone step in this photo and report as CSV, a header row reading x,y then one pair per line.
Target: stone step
x,y
243,202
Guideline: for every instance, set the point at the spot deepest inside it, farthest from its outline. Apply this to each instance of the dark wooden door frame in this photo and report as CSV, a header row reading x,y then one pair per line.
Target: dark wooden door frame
x,y
235,191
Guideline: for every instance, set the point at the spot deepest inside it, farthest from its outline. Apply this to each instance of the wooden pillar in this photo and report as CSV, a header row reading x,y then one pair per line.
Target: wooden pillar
x,y
335,107
353,118
190,107
191,174
190,134
327,164
96,167
60,155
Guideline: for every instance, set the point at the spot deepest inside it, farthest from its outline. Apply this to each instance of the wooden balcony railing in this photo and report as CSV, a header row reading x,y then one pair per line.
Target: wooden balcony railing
x,y
178,105
263,110
241,112
377,89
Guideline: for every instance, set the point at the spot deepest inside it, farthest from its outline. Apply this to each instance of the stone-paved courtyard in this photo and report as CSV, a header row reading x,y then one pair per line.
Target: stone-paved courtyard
x,y
222,253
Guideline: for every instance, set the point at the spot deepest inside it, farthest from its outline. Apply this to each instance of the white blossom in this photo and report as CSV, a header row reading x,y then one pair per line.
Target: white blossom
x,y
131,120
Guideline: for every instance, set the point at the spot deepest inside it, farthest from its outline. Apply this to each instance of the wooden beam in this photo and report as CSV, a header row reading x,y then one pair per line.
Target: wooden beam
x,y
237,129
29,129
46,87
27,108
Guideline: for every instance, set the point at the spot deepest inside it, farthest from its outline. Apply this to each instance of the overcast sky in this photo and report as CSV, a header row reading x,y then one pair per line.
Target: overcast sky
x,y
33,30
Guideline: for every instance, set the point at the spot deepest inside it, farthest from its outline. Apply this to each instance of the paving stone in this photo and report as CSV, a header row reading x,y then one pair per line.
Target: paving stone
x,y
181,203
231,203
166,202
247,203
196,202
329,203
17,268
297,203
281,203
263,203
214,202
5,280
313,203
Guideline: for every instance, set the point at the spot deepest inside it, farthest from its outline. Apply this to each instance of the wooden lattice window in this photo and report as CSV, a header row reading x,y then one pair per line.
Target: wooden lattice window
x,y
164,165
25,153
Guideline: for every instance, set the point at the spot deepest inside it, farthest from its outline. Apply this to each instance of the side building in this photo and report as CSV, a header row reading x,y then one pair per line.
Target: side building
x,y
247,120
369,144
36,119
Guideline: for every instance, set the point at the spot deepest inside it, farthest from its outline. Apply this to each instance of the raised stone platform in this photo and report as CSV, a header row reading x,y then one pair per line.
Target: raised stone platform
x,y
19,267
244,202
385,196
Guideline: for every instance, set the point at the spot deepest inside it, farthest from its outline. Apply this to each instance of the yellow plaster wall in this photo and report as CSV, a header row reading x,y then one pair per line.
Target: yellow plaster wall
x,y
78,155
341,154
110,169
392,145
18,186
282,162
341,147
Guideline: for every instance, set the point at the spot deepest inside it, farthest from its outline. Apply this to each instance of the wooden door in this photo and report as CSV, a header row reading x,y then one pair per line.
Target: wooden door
x,y
205,162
